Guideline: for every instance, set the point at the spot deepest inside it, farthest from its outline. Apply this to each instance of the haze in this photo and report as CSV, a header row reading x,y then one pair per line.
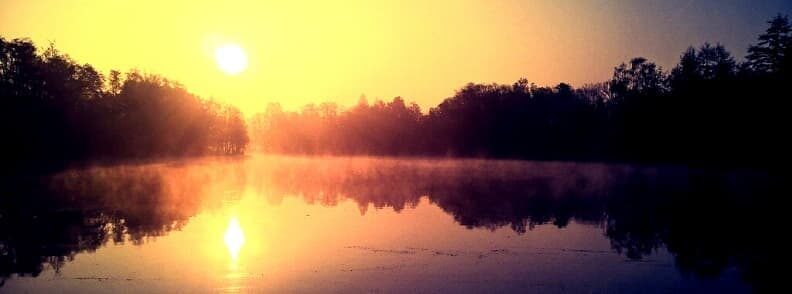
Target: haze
x,y
313,51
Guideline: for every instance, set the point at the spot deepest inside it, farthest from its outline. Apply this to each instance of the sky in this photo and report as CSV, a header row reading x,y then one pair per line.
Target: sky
x,y
303,52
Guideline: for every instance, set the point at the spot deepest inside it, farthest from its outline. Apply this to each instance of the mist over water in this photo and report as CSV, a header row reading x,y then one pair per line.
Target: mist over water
x,y
272,223
663,177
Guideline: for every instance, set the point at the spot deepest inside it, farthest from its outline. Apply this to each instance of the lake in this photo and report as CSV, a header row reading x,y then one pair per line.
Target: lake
x,y
333,224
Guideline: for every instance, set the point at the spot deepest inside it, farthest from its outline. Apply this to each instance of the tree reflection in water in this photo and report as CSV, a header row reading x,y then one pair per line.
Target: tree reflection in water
x,y
709,220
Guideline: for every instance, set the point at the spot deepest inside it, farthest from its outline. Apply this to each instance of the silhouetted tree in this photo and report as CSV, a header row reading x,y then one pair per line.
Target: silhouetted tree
x,y
56,111
706,110
768,55
639,78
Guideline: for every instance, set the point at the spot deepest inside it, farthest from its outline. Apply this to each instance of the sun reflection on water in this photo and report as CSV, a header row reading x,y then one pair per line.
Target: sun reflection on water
x,y
234,238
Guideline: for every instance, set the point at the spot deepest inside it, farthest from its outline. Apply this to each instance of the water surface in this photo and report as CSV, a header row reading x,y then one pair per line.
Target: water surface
x,y
291,224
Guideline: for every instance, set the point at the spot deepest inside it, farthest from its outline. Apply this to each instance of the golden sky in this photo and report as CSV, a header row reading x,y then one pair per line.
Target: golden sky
x,y
313,51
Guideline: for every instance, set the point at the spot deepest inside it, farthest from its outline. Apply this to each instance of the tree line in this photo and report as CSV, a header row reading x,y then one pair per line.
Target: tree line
x,y
54,110
709,108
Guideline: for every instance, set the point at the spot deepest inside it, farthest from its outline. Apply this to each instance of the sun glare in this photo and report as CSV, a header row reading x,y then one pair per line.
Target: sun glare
x,y
231,59
234,238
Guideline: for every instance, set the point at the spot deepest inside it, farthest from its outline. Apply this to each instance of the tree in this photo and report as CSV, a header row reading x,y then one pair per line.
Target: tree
x,y
638,78
768,55
115,81
708,63
715,62
55,111
687,71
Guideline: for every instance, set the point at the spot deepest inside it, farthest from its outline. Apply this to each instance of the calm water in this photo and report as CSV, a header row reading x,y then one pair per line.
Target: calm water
x,y
285,224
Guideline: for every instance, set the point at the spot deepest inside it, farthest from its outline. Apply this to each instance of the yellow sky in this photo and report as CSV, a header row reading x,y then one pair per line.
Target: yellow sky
x,y
313,51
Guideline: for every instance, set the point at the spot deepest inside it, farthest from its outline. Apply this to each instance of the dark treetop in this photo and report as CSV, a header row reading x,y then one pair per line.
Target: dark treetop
x,y
709,109
55,111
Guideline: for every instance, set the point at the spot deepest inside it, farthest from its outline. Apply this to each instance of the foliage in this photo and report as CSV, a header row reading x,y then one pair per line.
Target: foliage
x,y
55,110
707,109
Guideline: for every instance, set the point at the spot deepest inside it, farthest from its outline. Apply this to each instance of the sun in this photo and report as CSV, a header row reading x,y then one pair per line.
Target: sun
x,y
231,59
